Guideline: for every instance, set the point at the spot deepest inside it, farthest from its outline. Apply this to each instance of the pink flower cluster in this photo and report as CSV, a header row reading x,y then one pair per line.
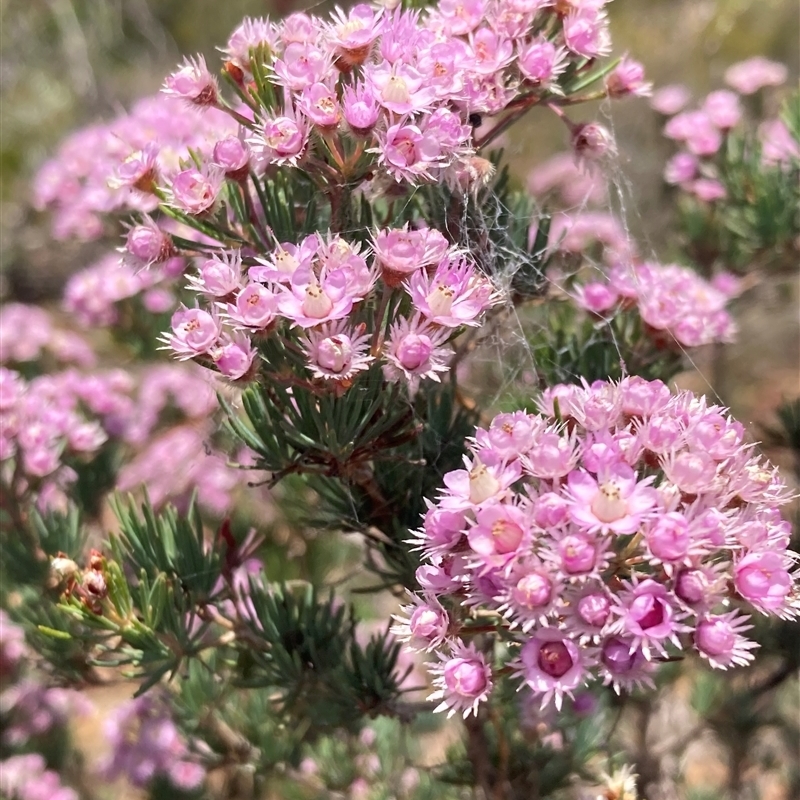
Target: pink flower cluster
x,y
677,306
54,420
43,421
113,167
27,333
618,526
371,89
93,295
26,777
703,130
146,745
319,288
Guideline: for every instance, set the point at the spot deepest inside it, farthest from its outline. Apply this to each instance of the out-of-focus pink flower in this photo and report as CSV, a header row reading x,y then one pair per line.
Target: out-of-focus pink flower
x,y
747,77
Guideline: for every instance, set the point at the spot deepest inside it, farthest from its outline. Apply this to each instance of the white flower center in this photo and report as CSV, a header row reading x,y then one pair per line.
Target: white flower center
x,y
608,504
317,304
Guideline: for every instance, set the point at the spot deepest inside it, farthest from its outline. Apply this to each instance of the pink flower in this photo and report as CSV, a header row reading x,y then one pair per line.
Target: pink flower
x,y
232,156
194,332
310,300
285,260
219,276
593,142
337,352
778,146
627,78
282,140
596,297
541,62
409,154
552,665
195,192
425,625
762,579
459,17
454,295
615,501
462,681
302,65
353,33
147,244
251,34
402,251
668,538
723,109
552,454
478,483
320,105
691,472
139,170
499,532
625,665
747,77
648,617
586,33
671,99
234,356
442,531
509,435
529,595
360,108
681,168
193,82
491,52
255,307
719,640
399,88
416,352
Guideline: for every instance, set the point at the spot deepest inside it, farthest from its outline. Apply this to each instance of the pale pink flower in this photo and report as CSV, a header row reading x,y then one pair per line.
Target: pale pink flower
x,y
541,62
747,77
455,295
302,64
255,307
285,260
320,105
234,355
614,501
194,332
147,244
500,531
463,681
552,665
400,252
648,617
282,140
723,109
424,624
310,300
194,83
196,192
762,579
671,99
218,276
337,351
408,153
627,78
719,640
586,33
416,352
